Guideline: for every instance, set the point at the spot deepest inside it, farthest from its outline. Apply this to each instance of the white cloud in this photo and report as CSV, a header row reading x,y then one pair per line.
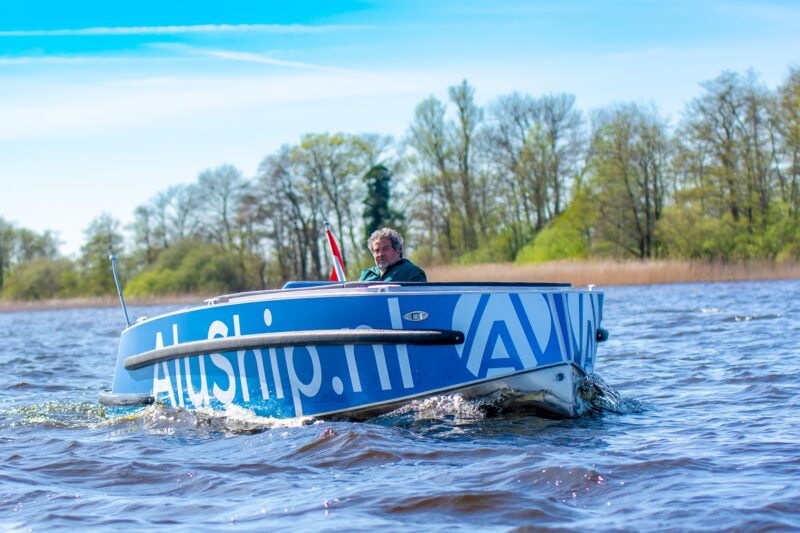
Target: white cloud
x,y
53,60
175,30
248,57
55,110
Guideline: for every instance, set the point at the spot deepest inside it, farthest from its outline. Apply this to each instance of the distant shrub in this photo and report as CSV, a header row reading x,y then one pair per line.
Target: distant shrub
x,y
498,250
40,279
686,232
564,238
189,267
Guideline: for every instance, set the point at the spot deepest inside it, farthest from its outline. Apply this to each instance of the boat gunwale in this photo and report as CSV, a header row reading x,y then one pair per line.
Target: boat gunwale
x,y
367,289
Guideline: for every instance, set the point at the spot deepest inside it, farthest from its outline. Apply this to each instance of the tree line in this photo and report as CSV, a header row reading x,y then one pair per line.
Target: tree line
x,y
522,179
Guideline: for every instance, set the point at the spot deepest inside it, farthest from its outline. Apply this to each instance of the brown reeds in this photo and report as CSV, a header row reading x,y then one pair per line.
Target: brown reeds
x,y
609,272
579,273
96,301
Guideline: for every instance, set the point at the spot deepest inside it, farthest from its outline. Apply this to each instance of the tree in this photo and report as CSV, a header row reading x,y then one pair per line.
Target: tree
x,y
6,248
629,175
293,201
445,162
788,118
223,188
512,120
103,237
562,128
336,163
537,147
378,212
731,158
22,245
468,119
427,137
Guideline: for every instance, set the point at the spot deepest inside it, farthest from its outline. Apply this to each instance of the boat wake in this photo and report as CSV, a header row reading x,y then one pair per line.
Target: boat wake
x,y
596,398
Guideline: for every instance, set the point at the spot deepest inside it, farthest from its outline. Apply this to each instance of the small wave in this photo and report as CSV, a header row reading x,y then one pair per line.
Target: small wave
x,y
747,318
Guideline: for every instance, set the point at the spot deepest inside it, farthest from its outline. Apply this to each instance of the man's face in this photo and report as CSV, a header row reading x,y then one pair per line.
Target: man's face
x,y
384,253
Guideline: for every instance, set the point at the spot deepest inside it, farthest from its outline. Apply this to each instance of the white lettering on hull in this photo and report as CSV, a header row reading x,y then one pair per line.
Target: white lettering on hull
x,y
505,333
297,386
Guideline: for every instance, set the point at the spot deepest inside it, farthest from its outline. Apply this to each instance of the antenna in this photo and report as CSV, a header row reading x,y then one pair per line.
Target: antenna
x,y
113,258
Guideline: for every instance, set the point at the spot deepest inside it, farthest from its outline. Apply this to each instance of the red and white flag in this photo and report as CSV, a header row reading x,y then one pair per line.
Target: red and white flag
x,y
337,274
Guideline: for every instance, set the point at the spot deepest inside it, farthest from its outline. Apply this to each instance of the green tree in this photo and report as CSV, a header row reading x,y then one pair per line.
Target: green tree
x,y
432,158
336,164
537,148
788,118
6,248
629,179
378,212
21,245
731,159
103,237
465,130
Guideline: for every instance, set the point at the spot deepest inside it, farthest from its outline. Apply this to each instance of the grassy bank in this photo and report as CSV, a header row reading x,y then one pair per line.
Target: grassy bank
x,y
579,273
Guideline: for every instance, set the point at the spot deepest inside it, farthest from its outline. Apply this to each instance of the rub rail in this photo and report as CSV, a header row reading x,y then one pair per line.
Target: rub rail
x,y
322,337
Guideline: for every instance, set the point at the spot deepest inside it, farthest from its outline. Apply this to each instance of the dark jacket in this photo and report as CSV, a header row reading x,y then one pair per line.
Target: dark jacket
x,y
403,270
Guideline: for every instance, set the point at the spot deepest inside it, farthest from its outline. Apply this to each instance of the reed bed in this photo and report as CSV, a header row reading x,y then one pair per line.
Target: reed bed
x,y
609,272
579,273
97,301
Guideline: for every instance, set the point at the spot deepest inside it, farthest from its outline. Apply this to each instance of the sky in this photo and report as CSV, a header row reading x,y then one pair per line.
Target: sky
x,y
105,104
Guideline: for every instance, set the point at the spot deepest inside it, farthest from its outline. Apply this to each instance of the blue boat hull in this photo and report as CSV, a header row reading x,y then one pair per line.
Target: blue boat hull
x,y
359,349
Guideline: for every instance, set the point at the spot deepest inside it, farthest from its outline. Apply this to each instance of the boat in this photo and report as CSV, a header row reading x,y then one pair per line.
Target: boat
x,y
353,350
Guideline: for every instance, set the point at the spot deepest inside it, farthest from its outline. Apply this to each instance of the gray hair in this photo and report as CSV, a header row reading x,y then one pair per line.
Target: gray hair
x,y
386,233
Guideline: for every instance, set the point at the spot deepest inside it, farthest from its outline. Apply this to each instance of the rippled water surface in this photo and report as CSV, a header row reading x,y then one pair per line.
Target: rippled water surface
x,y
694,428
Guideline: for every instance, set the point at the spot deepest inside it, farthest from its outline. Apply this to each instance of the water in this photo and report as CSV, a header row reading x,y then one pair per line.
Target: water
x,y
693,427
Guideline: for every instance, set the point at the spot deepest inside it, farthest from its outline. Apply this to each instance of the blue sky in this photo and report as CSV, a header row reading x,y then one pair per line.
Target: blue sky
x,y
104,105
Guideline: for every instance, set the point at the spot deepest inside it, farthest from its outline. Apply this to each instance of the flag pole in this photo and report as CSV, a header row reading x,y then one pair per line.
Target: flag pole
x,y
338,262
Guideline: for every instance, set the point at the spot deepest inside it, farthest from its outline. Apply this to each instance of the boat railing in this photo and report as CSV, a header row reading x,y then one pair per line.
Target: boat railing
x,y
296,287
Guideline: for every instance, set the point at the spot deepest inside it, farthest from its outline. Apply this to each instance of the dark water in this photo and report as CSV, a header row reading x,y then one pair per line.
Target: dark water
x,y
703,436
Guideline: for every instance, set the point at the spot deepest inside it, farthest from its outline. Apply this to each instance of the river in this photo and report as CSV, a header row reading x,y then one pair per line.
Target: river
x,y
693,428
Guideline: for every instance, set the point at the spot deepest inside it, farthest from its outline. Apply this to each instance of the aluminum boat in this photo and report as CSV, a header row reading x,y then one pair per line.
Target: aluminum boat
x,y
357,349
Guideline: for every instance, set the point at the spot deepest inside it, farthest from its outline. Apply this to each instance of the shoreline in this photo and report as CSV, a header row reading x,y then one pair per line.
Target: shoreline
x,y
601,273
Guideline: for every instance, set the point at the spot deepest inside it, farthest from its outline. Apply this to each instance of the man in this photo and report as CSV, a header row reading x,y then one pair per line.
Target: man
x,y
386,246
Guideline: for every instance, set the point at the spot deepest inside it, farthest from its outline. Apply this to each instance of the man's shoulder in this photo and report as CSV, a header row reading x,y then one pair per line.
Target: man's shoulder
x,y
408,271
369,274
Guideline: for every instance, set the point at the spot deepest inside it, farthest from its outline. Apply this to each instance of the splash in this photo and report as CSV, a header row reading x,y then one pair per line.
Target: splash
x,y
233,420
56,414
448,406
596,397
